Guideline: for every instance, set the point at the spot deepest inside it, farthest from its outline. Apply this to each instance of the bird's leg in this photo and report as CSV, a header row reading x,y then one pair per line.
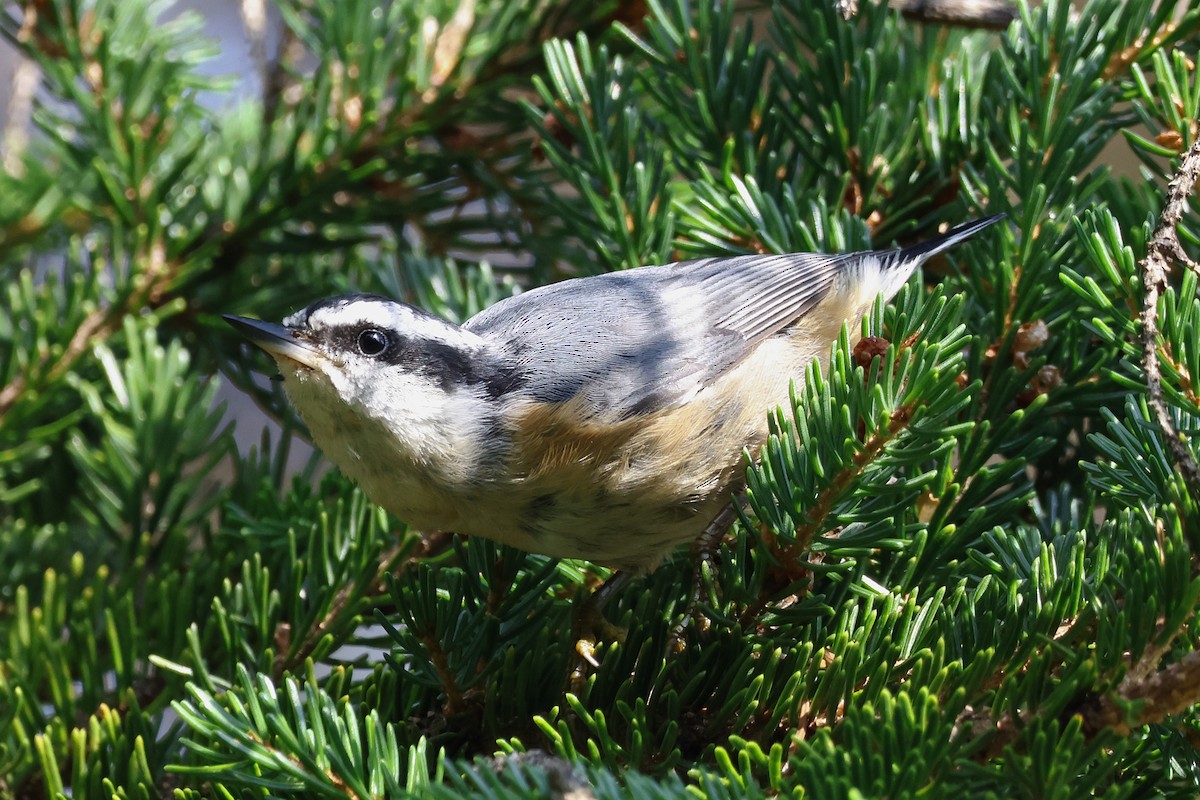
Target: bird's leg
x,y
702,554
588,620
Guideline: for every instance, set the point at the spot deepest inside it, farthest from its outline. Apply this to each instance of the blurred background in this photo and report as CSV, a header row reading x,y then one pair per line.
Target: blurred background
x,y
248,34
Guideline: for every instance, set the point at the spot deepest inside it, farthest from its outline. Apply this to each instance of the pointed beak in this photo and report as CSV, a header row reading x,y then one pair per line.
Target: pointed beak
x,y
277,340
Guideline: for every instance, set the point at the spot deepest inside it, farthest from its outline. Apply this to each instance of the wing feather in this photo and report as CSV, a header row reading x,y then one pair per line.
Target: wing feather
x,y
636,342
759,296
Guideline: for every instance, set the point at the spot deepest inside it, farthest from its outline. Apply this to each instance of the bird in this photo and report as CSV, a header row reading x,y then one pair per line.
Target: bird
x,y
601,418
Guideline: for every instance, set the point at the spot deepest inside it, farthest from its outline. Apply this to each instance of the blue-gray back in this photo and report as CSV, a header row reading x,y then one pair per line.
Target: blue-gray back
x,y
637,341
634,342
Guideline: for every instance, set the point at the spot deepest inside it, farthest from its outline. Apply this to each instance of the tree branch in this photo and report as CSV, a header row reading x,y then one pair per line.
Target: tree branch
x,y
992,14
1162,249
15,136
345,598
1157,696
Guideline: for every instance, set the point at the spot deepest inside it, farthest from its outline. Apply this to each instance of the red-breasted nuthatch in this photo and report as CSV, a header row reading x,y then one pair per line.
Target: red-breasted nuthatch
x,y
601,418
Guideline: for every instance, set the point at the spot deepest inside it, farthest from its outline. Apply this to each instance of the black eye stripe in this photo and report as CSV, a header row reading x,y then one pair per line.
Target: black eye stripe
x,y
440,362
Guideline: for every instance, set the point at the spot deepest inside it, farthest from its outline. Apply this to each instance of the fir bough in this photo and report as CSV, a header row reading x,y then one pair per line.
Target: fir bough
x,y
968,559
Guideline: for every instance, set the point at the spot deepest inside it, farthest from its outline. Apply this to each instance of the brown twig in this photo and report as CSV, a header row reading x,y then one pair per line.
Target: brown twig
x,y
254,22
1146,700
285,662
15,137
871,448
991,14
269,744
279,84
1161,251
1140,50
1145,696
456,699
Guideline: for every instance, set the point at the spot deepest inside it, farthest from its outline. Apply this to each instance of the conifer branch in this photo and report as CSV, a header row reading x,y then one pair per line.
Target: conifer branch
x,y
341,601
1145,696
440,661
1147,700
871,448
967,646
1120,63
95,328
1163,248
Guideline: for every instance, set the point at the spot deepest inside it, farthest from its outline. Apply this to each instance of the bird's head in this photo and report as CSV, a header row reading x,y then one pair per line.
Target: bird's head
x,y
365,355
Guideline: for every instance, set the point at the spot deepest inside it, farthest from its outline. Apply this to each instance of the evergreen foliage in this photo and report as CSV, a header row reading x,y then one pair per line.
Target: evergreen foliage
x,y
966,564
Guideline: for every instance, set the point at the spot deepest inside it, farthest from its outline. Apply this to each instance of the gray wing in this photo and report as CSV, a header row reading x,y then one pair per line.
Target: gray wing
x,y
638,341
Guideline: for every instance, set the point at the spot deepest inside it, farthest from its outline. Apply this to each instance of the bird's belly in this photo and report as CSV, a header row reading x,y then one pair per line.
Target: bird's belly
x,y
628,526
624,494
619,494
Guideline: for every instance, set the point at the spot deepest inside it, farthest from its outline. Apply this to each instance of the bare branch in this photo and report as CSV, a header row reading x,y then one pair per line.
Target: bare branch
x,y
279,85
254,20
1151,699
993,14
1162,249
15,137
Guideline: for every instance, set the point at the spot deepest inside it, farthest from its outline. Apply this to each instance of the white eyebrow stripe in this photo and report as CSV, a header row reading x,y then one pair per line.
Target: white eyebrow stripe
x,y
384,314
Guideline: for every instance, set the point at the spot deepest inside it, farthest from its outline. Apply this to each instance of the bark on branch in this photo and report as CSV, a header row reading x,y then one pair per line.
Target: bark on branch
x,y
1162,249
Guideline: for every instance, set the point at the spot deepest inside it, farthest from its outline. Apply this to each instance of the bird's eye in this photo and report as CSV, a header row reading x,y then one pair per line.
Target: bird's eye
x,y
372,342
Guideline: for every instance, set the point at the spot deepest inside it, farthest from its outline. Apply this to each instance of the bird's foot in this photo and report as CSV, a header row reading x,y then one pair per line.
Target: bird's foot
x,y
588,625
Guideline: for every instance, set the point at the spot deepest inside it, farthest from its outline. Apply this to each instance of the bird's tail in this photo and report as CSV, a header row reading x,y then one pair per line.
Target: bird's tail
x,y
897,265
931,247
